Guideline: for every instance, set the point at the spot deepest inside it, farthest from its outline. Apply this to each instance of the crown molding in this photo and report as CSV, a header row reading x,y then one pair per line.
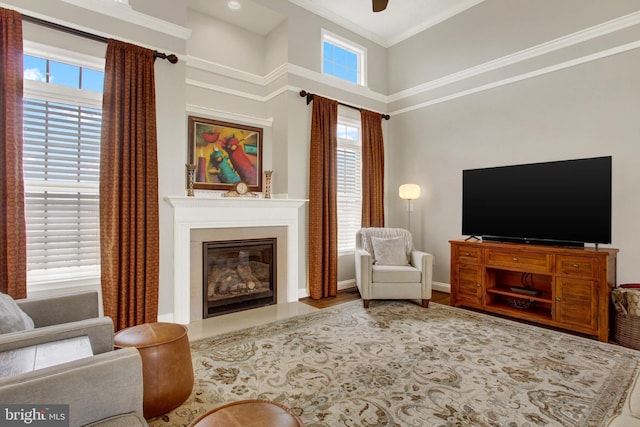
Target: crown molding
x,y
124,12
315,8
337,83
228,91
280,71
227,115
435,20
276,73
523,55
224,70
539,72
557,44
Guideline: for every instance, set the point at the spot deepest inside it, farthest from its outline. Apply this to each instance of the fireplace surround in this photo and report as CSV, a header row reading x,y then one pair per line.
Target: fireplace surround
x,y
217,215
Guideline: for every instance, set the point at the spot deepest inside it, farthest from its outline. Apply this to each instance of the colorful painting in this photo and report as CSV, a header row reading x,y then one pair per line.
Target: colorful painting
x,y
225,154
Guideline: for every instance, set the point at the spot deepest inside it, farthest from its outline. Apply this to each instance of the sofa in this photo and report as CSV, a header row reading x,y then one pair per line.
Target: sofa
x,y
101,390
630,416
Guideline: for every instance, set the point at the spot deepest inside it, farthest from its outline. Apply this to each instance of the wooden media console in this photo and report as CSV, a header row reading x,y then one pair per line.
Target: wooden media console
x,y
562,287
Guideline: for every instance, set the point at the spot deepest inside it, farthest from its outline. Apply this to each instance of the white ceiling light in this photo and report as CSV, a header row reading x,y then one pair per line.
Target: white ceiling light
x,y
234,4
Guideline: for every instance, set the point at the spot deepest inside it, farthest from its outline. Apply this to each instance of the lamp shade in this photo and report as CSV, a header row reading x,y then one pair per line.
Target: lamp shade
x,y
409,191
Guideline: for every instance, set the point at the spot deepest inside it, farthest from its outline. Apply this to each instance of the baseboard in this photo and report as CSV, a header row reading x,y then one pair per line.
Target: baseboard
x,y
346,284
168,317
441,287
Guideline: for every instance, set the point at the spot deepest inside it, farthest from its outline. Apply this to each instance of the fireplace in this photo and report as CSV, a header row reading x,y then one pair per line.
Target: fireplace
x,y
199,219
238,275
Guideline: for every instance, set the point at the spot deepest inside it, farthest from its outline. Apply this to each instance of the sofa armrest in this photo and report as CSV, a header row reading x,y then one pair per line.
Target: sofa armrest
x,y
46,311
424,261
95,388
363,272
99,331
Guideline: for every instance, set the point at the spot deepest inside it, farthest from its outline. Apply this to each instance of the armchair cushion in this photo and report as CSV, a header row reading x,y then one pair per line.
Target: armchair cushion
x,y
364,235
98,389
395,274
12,318
61,317
389,251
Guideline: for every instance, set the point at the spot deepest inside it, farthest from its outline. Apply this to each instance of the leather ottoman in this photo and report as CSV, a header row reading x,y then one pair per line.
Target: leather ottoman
x,y
249,413
167,370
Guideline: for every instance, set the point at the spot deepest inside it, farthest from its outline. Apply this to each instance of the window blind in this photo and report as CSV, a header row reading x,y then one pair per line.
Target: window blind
x,y
349,198
61,173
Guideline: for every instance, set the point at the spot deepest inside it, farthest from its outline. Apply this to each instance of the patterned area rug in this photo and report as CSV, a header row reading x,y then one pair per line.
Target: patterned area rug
x,y
397,364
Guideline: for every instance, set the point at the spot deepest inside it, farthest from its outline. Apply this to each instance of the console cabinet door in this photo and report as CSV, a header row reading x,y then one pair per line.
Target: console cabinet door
x,y
576,303
469,284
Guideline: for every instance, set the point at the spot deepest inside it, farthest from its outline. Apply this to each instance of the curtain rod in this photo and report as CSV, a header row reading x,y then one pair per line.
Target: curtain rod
x,y
309,96
171,57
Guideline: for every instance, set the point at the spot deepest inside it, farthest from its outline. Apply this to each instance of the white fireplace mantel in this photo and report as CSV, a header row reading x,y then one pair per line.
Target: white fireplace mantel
x,y
207,212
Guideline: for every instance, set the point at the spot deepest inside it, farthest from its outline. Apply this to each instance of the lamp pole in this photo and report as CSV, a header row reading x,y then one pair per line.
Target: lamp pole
x,y
409,192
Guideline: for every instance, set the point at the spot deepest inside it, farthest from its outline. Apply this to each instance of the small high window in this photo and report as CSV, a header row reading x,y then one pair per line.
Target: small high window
x,y
343,59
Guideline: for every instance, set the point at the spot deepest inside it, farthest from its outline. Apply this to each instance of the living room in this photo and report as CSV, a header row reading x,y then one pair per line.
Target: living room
x,y
501,82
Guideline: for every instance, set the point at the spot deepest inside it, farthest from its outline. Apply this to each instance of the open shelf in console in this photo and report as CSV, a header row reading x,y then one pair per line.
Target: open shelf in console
x,y
527,294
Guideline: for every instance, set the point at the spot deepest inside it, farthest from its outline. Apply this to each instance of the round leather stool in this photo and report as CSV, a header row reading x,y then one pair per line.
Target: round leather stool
x,y
249,413
167,370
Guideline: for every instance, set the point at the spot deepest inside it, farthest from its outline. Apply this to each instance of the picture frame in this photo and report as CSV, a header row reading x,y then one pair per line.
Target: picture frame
x,y
225,154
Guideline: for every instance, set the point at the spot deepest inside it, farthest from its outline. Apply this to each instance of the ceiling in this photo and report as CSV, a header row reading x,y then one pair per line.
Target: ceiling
x,y
401,20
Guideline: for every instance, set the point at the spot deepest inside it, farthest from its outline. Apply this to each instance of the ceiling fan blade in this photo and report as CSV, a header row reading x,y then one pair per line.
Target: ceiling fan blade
x,y
380,5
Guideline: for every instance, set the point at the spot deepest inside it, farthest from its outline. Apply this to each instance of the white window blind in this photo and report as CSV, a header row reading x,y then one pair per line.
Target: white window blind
x,y
349,186
61,173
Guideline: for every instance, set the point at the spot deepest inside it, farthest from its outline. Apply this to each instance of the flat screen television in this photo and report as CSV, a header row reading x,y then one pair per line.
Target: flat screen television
x,y
564,203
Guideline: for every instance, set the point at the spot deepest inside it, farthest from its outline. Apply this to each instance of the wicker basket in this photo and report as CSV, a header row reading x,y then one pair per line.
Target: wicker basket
x,y
627,330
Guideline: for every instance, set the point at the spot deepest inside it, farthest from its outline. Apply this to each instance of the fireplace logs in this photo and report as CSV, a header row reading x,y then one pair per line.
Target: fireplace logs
x,y
238,275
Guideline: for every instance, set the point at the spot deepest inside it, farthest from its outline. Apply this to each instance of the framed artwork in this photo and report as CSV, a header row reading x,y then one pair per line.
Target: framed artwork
x,y
225,154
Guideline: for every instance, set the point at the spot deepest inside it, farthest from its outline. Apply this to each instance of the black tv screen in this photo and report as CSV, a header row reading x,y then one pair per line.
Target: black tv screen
x,y
562,202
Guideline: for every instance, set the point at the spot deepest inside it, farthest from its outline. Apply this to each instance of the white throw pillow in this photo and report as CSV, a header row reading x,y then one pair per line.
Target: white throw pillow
x,y
389,251
12,318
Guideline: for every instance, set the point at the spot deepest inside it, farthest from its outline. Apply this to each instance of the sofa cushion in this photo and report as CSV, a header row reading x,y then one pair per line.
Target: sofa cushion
x,y
395,274
389,251
632,404
12,318
623,421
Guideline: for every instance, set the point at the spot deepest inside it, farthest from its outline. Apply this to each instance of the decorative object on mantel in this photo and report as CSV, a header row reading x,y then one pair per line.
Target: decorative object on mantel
x,y
267,184
226,154
240,189
191,175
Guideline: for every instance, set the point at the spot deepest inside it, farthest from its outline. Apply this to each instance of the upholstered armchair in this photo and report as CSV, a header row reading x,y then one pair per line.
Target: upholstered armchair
x,y
61,317
389,267
105,389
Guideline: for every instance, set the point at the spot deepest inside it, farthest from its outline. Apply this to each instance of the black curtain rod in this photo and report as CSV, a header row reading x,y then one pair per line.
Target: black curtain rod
x,y
171,58
309,96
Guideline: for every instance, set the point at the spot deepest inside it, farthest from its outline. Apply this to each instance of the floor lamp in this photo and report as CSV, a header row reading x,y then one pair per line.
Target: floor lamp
x,y
409,192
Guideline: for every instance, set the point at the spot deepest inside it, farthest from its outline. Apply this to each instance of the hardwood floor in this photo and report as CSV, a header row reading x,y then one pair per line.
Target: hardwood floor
x,y
352,294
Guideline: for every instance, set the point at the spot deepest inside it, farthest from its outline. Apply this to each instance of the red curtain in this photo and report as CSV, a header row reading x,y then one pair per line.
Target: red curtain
x,y
13,246
129,225
323,211
372,169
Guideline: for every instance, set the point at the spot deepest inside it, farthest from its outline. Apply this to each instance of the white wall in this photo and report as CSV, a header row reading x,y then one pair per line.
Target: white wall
x,y
442,121
585,110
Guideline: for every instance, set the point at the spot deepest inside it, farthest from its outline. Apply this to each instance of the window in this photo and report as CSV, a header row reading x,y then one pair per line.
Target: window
x,y
349,184
343,59
62,124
